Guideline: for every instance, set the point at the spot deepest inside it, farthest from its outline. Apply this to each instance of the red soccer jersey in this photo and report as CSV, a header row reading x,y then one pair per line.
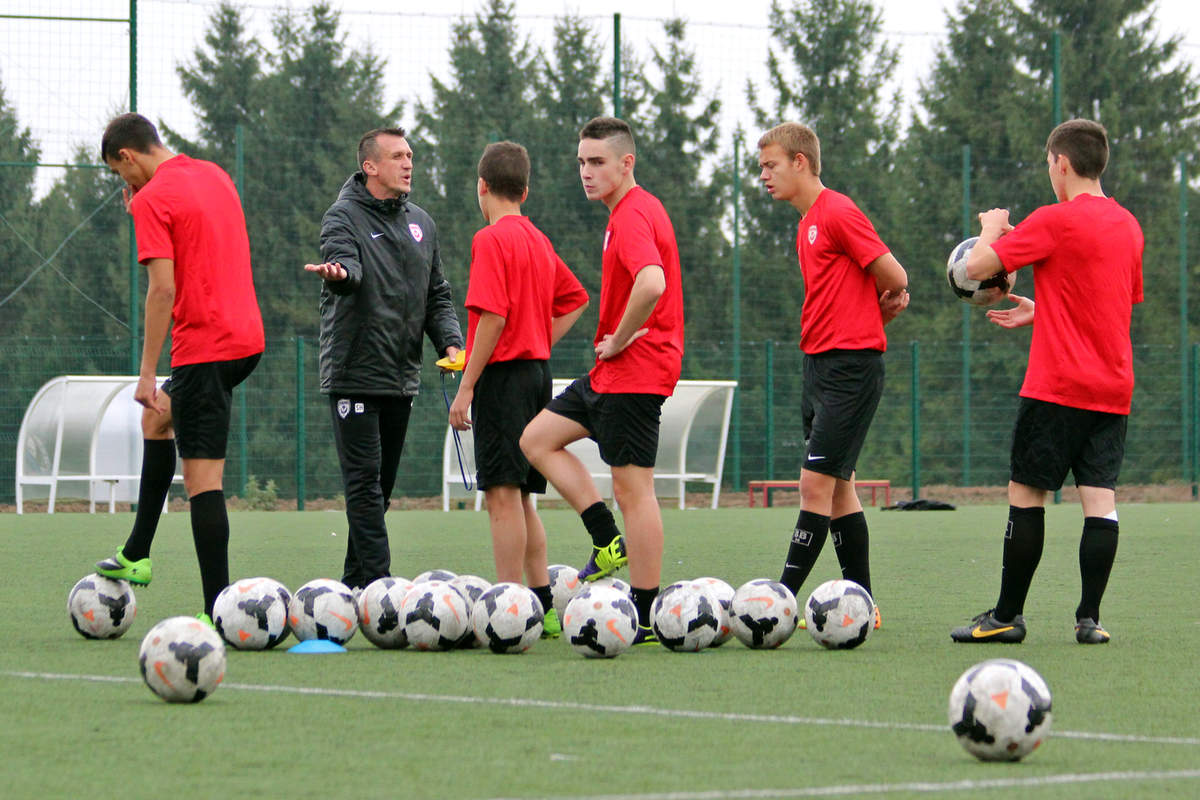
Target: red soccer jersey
x,y
516,273
835,242
189,212
1087,274
639,235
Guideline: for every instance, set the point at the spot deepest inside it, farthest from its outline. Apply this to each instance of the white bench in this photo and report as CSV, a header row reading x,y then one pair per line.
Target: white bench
x,y
81,429
691,446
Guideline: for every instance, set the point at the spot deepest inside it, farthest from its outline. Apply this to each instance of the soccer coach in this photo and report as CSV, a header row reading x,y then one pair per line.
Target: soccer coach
x,y
382,292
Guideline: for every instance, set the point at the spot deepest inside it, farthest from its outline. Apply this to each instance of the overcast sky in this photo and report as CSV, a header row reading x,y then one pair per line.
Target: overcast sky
x,y
67,78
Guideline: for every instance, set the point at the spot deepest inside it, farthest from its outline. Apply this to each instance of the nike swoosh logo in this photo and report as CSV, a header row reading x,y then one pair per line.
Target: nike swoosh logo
x,y
815,458
982,634
376,235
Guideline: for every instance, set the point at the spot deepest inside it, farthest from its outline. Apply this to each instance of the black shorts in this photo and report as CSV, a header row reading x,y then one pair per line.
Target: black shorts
x,y
1049,440
841,392
201,398
624,425
507,396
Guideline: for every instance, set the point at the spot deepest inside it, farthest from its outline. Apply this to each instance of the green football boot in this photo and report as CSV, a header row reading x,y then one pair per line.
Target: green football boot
x,y
121,568
551,627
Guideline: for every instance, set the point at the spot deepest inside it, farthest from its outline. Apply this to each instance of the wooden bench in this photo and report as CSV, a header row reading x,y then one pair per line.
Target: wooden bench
x,y
766,486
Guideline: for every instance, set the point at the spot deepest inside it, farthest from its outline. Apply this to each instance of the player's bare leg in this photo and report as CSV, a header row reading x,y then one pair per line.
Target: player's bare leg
x,y
506,517
536,572
544,443
812,527
633,489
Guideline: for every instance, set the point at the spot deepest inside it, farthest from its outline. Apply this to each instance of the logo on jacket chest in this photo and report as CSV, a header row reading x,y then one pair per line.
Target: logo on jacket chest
x,y
416,231
812,233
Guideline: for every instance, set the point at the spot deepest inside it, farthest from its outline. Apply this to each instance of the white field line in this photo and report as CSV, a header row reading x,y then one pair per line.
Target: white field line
x,y
916,787
560,705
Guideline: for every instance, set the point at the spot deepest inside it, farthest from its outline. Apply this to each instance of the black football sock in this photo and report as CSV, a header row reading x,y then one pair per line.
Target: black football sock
x,y
544,596
600,524
807,540
158,468
852,544
210,533
1023,540
1097,551
643,601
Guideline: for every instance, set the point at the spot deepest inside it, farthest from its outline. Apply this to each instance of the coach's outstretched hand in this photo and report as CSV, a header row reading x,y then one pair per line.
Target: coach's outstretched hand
x,y
328,271
1016,317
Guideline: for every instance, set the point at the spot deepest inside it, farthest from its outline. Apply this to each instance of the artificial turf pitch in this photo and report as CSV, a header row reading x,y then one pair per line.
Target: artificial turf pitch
x,y
725,723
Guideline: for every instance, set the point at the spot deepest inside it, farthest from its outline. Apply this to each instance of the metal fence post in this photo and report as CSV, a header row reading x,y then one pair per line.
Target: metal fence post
x,y
966,325
135,358
616,65
736,319
769,411
300,425
916,419
240,392
1184,415
1196,421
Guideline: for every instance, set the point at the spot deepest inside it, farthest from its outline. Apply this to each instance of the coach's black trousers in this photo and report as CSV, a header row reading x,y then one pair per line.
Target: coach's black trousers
x,y
369,433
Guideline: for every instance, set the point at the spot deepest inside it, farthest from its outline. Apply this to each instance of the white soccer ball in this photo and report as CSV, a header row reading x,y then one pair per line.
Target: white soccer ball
x,y
978,293
762,614
435,575
613,583
252,613
564,584
323,609
686,617
600,622
379,612
840,614
435,616
1000,710
100,607
724,594
182,660
507,618
471,587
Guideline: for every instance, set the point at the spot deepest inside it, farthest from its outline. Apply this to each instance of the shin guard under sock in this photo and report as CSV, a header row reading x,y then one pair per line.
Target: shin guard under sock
x,y
210,533
1023,541
807,540
851,542
158,468
1097,551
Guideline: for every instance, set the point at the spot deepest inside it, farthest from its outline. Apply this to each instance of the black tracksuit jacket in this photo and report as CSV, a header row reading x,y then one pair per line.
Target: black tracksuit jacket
x,y
373,322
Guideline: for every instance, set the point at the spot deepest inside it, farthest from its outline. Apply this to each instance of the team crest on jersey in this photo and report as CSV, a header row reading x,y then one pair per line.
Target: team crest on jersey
x,y
343,408
607,234
416,231
812,233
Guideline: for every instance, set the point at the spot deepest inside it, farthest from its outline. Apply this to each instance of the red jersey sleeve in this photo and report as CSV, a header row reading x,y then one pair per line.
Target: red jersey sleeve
x,y
569,293
487,289
1031,242
636,246
152,226
857,236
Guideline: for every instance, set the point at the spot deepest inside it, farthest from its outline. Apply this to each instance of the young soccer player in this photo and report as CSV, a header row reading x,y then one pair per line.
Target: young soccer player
x,y
639,354
521,299
853,286
1086,255
191,235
